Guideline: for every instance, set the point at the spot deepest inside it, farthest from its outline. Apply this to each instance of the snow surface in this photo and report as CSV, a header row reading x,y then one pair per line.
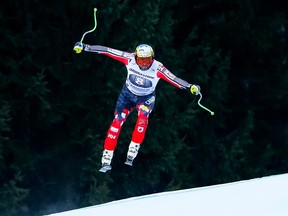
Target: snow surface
x,y
266,196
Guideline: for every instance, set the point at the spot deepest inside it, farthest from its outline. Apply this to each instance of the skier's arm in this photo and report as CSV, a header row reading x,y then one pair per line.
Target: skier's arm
x,y
169,77
112,53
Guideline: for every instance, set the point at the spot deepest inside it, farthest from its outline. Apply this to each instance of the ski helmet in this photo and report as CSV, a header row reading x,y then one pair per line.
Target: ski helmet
x,y
144,56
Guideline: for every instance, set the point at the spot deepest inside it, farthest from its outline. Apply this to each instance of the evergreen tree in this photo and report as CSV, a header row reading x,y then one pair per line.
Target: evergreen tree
x,y
56,107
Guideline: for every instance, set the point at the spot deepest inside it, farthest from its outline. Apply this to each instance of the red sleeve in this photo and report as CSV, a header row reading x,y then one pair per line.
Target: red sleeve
x,y
165,74
118,55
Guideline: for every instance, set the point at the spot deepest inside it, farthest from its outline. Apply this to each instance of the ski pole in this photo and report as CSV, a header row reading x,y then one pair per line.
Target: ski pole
x,y
211,112
95,25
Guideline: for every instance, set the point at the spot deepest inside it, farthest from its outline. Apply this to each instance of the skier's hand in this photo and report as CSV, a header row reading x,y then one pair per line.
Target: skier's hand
x,y
78,47
195,89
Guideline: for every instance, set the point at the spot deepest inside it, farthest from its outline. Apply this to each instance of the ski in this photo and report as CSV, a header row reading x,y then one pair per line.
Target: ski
x,y
105,168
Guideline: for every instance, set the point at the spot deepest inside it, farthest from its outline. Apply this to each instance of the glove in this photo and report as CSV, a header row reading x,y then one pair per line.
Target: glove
x,y
78,47
195,89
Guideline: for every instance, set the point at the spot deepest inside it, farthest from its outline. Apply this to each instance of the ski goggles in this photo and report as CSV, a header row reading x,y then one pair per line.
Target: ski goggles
x,y
144,62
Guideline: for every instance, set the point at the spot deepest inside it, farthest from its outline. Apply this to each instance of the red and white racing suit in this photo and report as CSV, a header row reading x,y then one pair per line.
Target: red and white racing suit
x,y
138,92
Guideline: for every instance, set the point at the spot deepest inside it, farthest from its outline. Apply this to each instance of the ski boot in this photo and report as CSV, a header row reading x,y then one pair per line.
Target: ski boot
x,y
106,161
129,161
132,153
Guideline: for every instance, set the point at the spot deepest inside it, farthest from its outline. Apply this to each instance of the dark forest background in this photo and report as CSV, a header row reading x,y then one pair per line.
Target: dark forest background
x,y
56,106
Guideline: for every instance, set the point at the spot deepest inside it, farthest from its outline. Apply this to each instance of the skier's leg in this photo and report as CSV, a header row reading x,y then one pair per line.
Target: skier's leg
x,y
144,109
137,136
112,136
122,110
140,127
114,130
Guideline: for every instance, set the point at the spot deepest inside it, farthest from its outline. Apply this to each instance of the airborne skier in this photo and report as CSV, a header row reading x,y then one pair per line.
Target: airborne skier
x,y
143,74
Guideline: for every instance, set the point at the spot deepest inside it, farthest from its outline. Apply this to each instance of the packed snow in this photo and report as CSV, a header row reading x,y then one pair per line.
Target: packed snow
x,y
266,196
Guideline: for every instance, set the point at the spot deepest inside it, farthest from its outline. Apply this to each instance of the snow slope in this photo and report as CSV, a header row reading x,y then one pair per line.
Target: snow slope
x,y
267,196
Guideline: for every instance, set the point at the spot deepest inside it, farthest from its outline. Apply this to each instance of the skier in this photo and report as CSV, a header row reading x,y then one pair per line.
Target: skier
x,y
143,74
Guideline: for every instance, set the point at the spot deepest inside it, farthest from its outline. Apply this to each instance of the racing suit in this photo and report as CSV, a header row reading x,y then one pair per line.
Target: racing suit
x,y
138,92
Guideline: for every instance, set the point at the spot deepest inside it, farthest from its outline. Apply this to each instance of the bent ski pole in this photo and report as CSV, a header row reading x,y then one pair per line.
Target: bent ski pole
x,y
211,112
95,26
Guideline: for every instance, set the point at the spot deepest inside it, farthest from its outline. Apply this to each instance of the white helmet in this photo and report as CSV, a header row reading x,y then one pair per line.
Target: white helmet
x,y
144,51
144,56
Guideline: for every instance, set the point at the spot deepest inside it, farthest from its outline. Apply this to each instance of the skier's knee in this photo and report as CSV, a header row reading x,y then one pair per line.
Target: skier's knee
x,y
143,115
120,117
144,111
117,123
